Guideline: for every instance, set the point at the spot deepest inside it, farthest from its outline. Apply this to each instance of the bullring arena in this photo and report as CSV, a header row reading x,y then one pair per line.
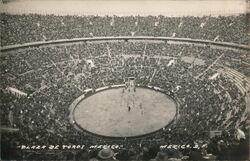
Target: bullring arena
x,y
156,109
143,82
117,112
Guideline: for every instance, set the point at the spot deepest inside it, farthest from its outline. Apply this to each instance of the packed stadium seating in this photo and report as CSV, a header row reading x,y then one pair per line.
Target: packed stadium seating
x,y
55,75
20,29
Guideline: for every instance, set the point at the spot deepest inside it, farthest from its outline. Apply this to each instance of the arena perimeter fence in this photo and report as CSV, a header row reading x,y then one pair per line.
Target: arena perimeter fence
x,y
90,92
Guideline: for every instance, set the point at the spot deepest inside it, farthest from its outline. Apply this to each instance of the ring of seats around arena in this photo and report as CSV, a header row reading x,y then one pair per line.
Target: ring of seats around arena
x,y
209,82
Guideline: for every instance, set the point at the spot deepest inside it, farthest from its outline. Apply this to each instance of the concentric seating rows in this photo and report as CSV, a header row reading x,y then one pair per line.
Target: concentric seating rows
x,y
244,86
54,76
18,29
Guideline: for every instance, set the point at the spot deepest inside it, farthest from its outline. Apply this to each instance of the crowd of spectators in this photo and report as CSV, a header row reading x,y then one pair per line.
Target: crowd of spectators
x,y
18,29
54,76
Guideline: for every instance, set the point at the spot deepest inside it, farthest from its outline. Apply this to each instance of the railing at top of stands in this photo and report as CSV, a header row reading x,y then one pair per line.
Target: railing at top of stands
x,y
125,38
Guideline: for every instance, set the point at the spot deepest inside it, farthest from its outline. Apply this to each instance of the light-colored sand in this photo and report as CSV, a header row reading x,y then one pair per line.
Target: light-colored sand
x,y
106,113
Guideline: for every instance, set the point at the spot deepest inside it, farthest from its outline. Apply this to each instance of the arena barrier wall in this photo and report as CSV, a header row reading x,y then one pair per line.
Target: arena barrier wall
x,y
89,93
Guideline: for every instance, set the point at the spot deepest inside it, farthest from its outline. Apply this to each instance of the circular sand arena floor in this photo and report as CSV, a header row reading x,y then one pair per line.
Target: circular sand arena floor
x,y
121,113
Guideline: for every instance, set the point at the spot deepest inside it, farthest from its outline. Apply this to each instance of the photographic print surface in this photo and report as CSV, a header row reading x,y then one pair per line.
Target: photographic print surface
x,y
124,80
